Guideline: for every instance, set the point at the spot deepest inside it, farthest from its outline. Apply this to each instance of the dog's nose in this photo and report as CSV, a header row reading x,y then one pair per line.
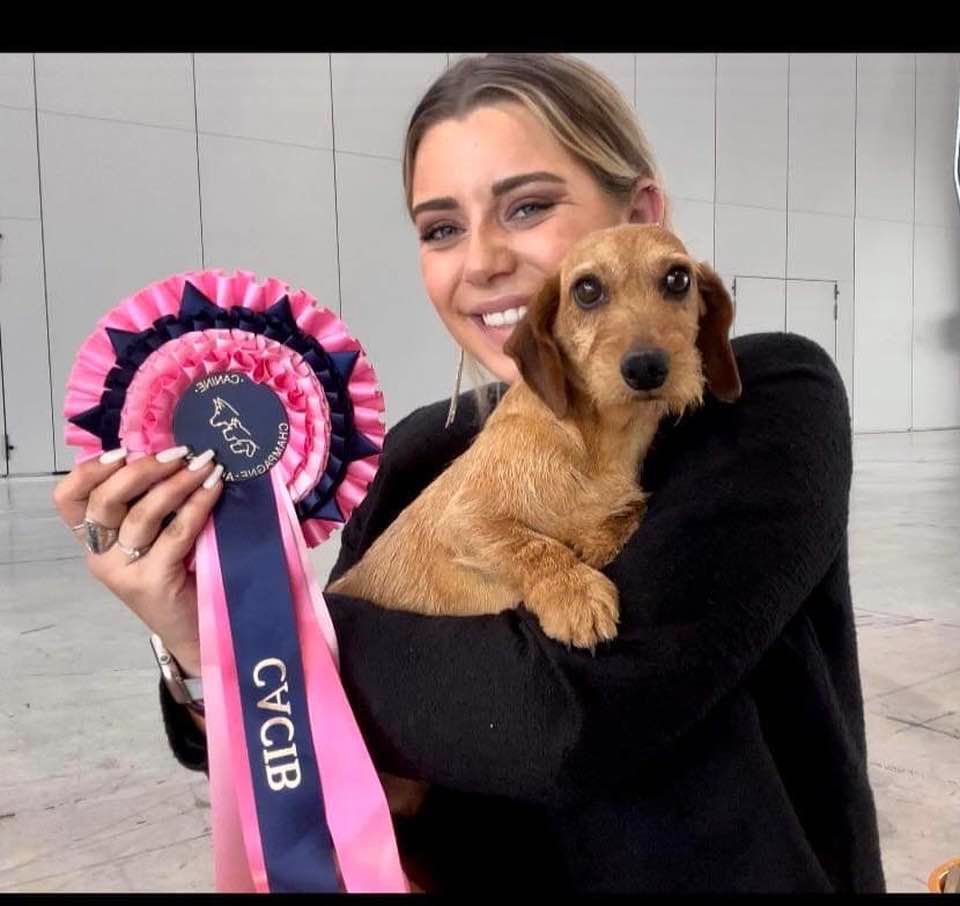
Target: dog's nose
x,y
645,369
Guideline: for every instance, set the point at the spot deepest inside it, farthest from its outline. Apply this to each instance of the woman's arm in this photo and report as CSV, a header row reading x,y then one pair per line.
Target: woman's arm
x,y
748,510
752,516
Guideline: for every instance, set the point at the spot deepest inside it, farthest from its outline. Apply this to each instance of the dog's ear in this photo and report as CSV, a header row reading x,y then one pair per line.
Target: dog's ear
x,y
713,336
533,347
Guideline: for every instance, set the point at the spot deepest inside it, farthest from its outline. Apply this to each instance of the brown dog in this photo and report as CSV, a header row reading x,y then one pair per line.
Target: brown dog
x,y
629,331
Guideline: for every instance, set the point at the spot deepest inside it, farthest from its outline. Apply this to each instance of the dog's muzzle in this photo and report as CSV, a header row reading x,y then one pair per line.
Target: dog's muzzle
x,y
645,369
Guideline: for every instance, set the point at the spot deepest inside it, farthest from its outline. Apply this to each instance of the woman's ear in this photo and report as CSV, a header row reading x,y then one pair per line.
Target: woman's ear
x,y
647,204
713,336
533,347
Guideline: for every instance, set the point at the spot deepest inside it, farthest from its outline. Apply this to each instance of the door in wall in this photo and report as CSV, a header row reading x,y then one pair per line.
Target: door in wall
x,y
759,305
812,311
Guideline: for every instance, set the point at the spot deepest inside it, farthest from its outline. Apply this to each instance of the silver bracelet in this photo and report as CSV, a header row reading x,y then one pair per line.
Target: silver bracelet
x,y
185,690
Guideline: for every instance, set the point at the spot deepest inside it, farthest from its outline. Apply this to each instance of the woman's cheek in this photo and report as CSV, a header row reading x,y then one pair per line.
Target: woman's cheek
x,y
437,282
544,249
442,297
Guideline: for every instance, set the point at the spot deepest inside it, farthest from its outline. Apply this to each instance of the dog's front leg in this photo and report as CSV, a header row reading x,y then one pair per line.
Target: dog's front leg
x,y
575,604
598,544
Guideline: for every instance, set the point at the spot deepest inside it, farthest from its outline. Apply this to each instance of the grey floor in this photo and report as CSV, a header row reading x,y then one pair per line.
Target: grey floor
x,y
91,799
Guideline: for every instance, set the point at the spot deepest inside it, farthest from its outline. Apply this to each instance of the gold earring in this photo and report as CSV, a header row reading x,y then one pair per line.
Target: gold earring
x,y
456,392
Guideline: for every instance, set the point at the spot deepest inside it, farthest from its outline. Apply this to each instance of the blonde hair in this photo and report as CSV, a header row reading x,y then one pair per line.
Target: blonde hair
x,y
580,107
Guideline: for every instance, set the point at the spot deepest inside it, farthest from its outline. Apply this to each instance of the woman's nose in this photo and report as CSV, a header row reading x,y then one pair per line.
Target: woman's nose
x,y
488,256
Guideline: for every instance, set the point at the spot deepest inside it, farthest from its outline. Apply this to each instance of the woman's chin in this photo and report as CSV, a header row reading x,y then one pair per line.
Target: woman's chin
x,y
489,352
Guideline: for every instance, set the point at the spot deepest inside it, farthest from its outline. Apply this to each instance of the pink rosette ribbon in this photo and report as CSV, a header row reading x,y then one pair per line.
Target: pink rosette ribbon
x,y
286,398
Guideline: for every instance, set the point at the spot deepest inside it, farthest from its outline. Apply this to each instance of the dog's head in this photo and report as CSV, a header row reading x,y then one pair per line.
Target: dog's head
x,y
630,319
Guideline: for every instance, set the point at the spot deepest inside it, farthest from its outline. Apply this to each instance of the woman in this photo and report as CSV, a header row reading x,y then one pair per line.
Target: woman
x,y
718,743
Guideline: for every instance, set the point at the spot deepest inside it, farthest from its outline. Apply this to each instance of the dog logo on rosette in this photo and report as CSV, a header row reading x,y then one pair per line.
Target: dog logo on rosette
x,y
227,419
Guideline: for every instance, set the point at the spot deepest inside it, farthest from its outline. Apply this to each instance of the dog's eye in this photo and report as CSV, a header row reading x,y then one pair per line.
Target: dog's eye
x,y
588,292
677,281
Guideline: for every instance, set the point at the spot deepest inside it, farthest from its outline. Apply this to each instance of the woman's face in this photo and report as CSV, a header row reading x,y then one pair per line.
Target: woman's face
x,y
497,201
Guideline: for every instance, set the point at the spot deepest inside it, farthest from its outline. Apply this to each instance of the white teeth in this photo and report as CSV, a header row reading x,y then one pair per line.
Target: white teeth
x,y
504,318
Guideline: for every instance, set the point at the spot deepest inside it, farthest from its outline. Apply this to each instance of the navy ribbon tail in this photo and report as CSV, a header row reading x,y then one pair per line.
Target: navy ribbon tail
x,y
297,846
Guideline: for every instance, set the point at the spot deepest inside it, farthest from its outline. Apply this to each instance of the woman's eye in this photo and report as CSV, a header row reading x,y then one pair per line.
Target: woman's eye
x,y
677,281
588,292
529,208
438,233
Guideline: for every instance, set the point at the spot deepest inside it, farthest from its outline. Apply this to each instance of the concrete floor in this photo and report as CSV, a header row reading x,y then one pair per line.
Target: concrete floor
x,y
92,800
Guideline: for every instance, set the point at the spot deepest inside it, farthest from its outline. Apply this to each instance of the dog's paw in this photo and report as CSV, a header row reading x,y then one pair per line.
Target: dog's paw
x,y
580,607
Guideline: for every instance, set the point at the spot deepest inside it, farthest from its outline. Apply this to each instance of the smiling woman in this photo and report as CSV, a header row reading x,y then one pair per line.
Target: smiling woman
x,y
507,162
679,756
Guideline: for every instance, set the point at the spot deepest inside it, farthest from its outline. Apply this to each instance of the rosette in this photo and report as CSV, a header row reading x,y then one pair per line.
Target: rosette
x,y
287,399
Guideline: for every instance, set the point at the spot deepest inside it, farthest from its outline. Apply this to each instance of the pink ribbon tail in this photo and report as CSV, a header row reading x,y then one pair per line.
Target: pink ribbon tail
x,y
237,849
357,812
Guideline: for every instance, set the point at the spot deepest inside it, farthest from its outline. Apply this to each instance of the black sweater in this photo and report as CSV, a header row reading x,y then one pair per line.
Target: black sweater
x,y
717,744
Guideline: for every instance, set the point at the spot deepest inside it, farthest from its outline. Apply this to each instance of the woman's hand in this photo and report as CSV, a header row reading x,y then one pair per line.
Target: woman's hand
x,y
135,499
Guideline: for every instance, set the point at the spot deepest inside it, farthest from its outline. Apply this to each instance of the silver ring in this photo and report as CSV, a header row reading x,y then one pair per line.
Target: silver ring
x,y
132,553
99,538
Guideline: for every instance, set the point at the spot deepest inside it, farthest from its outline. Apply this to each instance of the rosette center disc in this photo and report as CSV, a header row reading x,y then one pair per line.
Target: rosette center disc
x,y
243,422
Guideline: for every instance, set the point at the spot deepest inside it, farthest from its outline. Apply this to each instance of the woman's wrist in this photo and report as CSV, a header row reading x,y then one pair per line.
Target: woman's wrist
x,y
188,657
181,677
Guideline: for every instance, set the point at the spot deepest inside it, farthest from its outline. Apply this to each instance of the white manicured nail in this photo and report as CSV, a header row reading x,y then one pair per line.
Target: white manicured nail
x,y
112,456
198,462
172,453
210,481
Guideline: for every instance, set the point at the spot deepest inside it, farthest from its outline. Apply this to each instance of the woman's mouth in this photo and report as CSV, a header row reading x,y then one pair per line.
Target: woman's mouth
x,y
496,326
506,318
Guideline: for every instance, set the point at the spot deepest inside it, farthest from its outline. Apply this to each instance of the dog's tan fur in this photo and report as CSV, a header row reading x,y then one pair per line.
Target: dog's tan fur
x,y
547,493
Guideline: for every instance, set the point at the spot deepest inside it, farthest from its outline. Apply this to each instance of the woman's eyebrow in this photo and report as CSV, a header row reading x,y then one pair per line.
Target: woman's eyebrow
x,y
501,187
511,182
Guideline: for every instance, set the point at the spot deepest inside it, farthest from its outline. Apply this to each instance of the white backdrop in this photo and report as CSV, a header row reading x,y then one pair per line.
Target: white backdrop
x,y
821,184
